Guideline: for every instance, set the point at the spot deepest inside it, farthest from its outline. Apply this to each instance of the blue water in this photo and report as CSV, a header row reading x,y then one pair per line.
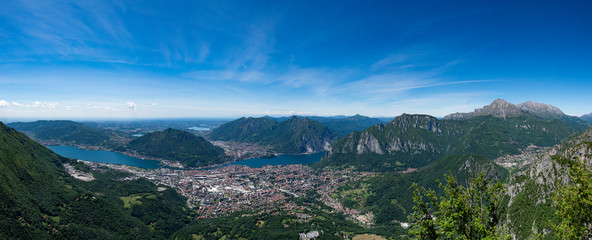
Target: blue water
x,y
104,157
280,160
118,158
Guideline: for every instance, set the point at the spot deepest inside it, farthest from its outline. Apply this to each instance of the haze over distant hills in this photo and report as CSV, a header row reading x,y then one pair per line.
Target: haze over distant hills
x,y
64,131
170,144
587,117
341,125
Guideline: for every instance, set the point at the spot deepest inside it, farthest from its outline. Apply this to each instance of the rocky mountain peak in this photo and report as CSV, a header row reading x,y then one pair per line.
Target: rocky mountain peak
x,y
540,109
502,109
498,108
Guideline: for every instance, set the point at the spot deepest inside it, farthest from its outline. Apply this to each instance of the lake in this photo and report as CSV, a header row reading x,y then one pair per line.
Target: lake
x,y
104,157
118,158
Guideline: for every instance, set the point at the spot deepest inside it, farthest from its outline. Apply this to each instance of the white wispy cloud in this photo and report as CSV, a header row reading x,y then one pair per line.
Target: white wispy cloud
x,y
69,30
285,113
51,105
3,103
131,105
16,104
389,60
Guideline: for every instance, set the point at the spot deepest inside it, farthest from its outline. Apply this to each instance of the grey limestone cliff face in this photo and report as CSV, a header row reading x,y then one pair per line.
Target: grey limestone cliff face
x,y
408,134
368,143
546,171
311,141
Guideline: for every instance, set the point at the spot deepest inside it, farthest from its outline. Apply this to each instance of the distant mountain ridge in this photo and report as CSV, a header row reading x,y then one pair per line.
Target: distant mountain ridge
x,y
170,144
347,124
587,117
68,132
502,109
294,135
341,125
178,145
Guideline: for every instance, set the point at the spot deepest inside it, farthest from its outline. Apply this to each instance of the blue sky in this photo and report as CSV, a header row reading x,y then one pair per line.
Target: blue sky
x,y
163,59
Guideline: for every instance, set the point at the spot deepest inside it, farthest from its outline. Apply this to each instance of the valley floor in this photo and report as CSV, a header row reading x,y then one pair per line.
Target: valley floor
x,y
222,191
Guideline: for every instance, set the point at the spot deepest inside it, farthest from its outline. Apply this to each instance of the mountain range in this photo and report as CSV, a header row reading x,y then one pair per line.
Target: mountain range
x,y
294,135
169,144
64,132
528,208
587,117
416,140
40,200
341,125
501,108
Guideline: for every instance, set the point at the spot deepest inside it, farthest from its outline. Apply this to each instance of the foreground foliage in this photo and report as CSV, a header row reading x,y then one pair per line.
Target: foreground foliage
x,y
388,195
463,212
574,204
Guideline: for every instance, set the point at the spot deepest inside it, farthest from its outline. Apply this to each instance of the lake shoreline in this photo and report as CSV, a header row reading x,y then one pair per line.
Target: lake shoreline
x,y
76,151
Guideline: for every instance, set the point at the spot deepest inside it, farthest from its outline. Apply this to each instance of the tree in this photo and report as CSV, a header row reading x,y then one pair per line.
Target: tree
x,y
574,203
471,212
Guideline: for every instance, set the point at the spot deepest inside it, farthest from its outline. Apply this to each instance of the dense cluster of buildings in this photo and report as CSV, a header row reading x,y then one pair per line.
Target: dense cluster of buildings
x,y
242,150
220,191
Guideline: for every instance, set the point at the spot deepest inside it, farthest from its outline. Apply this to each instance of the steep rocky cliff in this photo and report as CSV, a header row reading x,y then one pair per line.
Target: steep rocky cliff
x,y
408,140
530,191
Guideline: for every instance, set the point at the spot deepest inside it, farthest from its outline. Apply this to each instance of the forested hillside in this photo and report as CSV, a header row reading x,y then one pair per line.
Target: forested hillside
x,y
65,132
294,135
416,140
178,145
40,200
